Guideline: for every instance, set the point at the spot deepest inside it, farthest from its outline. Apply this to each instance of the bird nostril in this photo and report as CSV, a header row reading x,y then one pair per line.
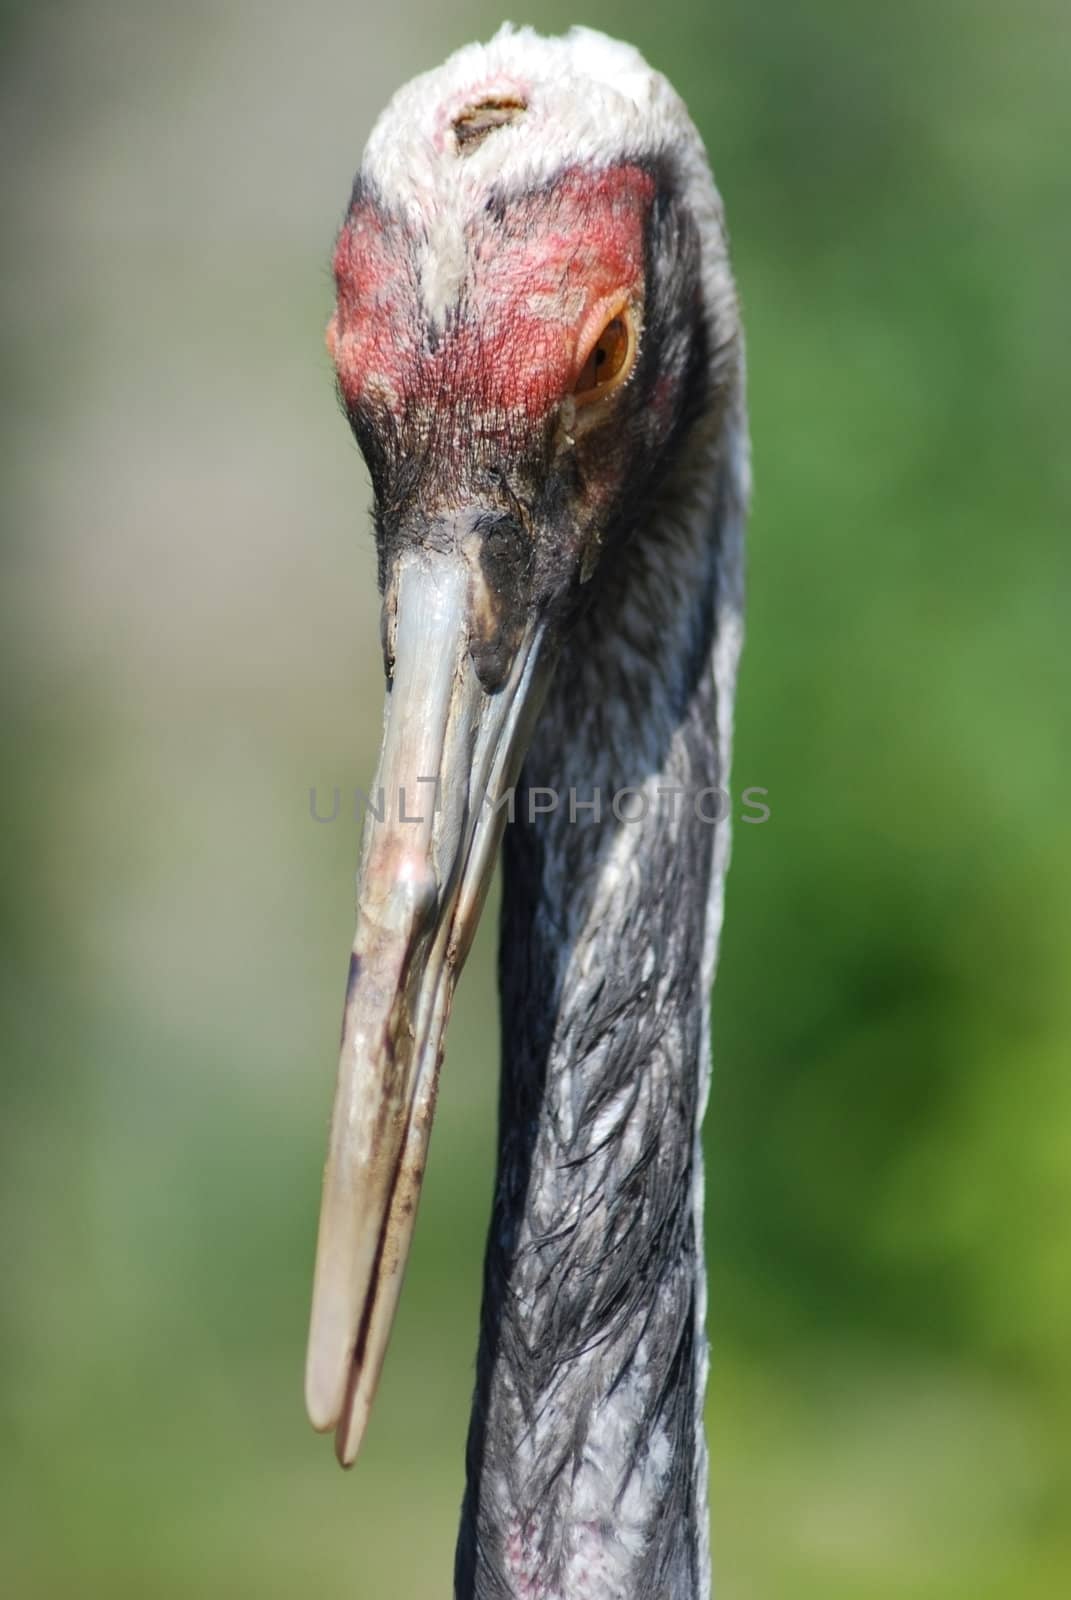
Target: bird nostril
x,y
492,657
499,555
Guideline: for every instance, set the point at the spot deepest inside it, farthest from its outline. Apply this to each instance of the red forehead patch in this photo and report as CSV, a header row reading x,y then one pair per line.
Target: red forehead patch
x,y
525,282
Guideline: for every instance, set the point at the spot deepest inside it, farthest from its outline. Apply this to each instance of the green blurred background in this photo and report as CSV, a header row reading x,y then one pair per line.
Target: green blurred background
x,y
190,642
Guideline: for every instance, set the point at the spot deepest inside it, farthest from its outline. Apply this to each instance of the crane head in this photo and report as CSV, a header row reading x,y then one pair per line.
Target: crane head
x,y
533,313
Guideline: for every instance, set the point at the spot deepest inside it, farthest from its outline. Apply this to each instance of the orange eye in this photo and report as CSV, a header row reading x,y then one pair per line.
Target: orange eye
x,y
609,361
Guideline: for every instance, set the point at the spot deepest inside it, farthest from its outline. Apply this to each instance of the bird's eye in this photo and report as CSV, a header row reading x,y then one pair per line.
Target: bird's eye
x,y
609,361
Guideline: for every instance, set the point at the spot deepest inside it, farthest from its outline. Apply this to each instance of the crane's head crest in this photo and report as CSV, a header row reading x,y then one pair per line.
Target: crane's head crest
x,y
533,311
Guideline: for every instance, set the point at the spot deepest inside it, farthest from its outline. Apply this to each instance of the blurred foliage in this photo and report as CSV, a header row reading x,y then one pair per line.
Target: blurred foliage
x,y
189,639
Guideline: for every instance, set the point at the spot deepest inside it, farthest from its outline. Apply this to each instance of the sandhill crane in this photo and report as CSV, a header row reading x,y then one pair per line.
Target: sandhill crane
x,y
538,347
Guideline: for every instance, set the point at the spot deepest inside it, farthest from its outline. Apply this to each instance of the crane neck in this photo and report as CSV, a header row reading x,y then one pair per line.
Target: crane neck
x,y
586,1461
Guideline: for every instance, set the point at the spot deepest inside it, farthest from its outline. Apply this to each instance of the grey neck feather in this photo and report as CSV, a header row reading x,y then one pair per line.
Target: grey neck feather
x,y
586,1457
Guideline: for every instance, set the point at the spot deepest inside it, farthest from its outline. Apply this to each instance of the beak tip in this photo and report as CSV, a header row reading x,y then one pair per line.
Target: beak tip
x,y
350,1431
322,1402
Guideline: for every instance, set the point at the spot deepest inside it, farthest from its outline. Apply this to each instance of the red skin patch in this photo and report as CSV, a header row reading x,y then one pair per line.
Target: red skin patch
x,y
538,286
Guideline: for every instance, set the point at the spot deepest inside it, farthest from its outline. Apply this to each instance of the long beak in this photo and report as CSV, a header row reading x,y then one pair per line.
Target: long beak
x,y
450,753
